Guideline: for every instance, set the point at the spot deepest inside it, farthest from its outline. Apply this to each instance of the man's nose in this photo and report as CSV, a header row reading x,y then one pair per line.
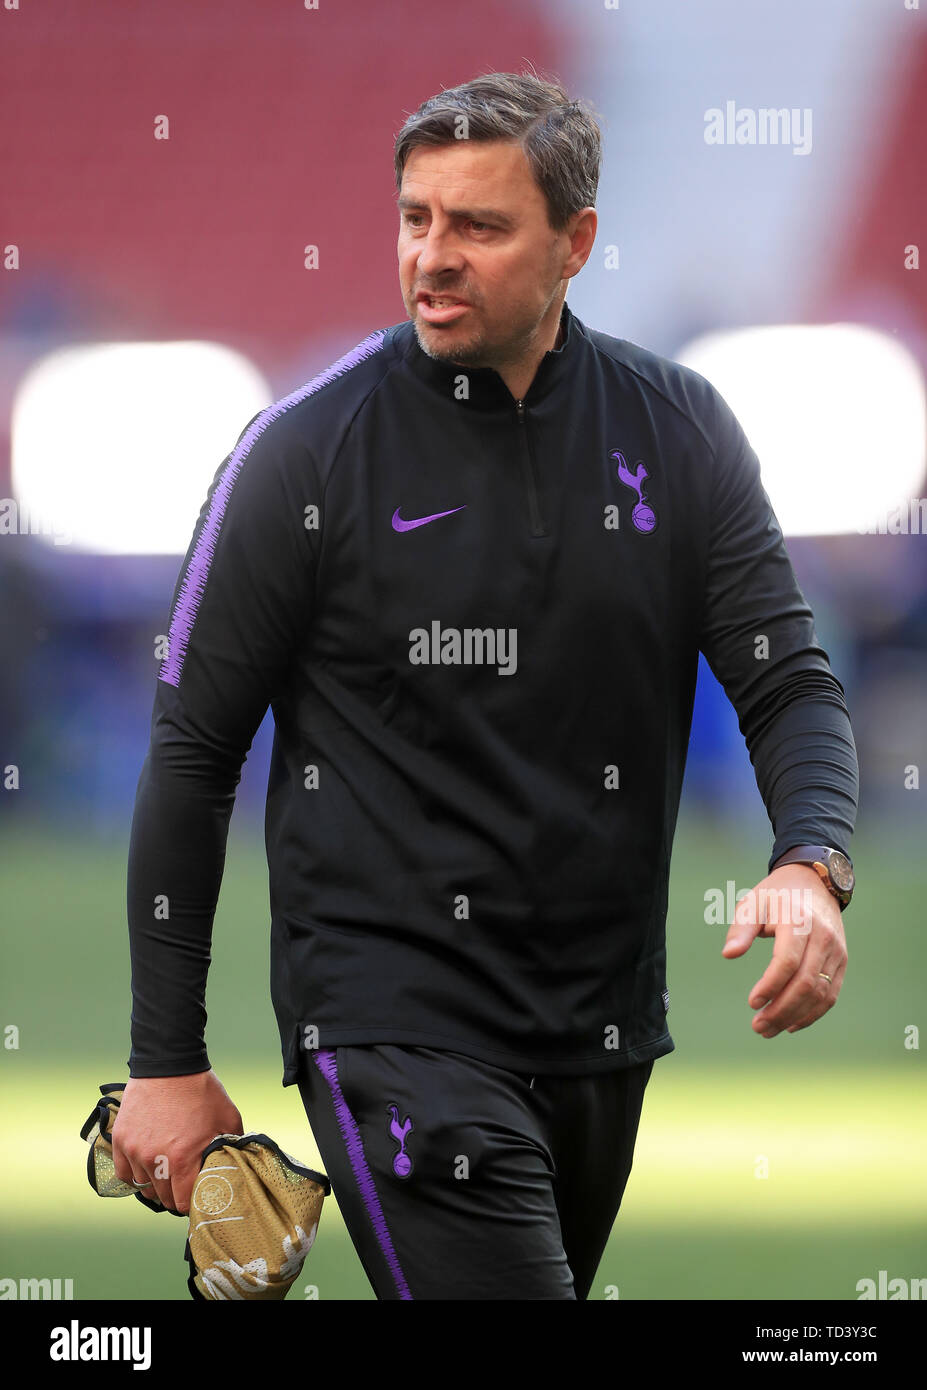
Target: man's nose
x,y
437,254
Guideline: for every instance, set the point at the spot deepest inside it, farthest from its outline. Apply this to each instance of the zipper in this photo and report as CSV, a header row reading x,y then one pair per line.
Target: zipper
x,y
528,471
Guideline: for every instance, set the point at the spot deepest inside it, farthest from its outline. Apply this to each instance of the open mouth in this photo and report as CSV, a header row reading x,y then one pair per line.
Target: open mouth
x,y
440,308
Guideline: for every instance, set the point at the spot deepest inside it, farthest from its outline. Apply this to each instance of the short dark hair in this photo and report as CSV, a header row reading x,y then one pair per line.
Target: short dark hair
x,y
560,137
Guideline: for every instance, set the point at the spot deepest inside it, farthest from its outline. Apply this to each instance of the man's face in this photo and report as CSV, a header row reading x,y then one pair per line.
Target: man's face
x,y
479,264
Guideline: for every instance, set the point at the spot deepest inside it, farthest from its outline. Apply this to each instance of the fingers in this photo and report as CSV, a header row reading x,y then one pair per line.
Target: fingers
x,y
837,973
158,1188
808,993
745,926
181,1187
788,951
155,1177
126,1170
144,1179
170,1183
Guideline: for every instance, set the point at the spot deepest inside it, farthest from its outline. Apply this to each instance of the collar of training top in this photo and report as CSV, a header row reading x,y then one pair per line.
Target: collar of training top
x,y
485,387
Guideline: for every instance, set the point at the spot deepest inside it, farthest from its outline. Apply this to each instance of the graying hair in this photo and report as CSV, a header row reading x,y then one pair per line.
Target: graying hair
x,y
560,137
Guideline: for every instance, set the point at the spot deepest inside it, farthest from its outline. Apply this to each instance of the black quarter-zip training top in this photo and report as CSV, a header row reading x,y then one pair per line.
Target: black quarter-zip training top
x,y
477,624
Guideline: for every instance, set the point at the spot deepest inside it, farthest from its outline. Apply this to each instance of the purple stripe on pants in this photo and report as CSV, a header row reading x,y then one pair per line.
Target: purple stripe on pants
x,y
325,1061
197,571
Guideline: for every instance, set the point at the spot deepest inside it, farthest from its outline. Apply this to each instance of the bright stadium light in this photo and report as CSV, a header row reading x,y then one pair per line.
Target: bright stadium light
x,y
114,445
835,413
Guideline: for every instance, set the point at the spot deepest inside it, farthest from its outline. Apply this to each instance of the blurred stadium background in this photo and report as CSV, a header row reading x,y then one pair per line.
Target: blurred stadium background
x,y
281,122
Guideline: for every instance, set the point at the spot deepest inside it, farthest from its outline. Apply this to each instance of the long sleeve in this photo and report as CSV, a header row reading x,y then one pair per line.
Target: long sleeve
x,y
241,603
758,636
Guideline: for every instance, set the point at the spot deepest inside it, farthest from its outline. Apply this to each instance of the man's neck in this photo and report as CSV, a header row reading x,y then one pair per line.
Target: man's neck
x,y
518,377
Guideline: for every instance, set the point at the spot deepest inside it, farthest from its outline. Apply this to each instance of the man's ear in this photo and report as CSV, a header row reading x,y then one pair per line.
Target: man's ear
x,y
582,231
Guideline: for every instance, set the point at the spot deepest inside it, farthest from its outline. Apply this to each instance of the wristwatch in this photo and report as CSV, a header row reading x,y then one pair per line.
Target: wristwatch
x,y
835,868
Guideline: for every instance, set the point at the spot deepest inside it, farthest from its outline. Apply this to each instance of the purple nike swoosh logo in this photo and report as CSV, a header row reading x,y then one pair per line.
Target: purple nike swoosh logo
x,y
400,525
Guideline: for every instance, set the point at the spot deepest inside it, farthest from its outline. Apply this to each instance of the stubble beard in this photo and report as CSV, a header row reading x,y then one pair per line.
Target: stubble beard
x,y
471,352
477,351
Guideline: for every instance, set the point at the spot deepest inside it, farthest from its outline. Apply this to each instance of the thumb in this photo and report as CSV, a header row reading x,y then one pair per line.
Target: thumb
x,y
742,931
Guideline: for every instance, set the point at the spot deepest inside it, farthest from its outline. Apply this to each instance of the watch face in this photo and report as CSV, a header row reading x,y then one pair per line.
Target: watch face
x,y
841,871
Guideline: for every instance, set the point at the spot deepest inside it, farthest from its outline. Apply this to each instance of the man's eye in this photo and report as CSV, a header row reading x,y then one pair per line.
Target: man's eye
x,y
413,218
481,226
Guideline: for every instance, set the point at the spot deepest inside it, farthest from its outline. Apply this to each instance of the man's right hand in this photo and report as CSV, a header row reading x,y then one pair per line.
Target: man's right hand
x,y
162,1127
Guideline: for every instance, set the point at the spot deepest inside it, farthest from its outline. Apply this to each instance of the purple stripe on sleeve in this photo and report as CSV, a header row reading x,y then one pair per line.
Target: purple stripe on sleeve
x,y
197,571
325,1061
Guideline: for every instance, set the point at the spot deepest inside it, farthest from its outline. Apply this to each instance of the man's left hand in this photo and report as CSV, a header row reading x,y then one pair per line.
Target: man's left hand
x,y
793,905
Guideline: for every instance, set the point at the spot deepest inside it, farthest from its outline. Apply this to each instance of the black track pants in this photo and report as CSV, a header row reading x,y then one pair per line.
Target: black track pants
x,y
458,1179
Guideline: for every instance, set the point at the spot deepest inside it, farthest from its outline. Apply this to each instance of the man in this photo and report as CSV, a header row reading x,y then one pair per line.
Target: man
x,y
470,568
